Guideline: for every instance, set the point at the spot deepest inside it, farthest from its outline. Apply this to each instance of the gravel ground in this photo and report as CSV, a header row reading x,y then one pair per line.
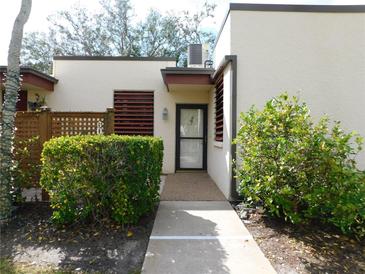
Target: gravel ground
x,y
314,248
31,240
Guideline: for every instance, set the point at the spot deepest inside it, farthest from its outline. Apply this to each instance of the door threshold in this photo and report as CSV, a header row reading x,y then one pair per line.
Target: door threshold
x,y
190,171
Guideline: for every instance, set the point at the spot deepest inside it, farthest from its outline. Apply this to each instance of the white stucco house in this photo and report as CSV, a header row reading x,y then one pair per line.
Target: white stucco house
x,y
316,52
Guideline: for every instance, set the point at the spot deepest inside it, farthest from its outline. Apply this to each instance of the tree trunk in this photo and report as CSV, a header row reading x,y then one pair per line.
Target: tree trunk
x,y
12,85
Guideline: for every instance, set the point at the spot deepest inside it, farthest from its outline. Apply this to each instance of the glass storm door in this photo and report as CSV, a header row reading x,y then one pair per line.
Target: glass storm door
x,y
191,137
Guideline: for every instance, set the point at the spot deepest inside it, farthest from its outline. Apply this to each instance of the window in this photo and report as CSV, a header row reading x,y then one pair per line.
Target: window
x,y
219,108
133,112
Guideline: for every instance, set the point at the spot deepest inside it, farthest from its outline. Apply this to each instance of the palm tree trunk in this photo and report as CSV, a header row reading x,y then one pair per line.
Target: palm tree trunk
x,y
12,85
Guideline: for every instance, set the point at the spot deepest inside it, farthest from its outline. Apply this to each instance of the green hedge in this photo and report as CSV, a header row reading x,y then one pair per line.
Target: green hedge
x,y
300,170
96,177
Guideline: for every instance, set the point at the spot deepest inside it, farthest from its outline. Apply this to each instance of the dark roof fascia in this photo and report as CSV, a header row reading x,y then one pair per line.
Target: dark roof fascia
x,y
297,8
184,70
288,8
25,69
233,97
222,65
113,58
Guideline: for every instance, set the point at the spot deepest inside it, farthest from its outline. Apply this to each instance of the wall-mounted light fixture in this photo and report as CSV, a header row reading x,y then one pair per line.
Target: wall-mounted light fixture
x,y
165,114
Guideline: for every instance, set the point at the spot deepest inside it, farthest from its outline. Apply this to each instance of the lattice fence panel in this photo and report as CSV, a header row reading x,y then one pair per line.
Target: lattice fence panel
x,y
27,135
34,128
74,123
27,127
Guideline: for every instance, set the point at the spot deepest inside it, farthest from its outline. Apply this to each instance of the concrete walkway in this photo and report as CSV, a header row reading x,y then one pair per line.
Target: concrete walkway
x,y
202,237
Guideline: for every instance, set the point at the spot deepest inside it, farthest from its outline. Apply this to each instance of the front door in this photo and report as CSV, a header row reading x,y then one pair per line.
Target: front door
x,y
191,137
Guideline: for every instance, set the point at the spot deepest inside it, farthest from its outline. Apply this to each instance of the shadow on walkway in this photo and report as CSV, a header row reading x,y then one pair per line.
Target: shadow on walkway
x,y
171,256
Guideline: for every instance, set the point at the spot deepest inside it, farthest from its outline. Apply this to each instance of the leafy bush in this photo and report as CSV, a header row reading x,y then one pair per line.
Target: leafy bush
x,y
96,177
300,170
25,170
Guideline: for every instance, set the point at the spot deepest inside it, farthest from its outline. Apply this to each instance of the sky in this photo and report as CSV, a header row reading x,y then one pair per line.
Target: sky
x,y
42,8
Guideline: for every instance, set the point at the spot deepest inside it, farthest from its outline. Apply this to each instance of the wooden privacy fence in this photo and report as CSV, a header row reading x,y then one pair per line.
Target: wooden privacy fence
x,y
43,125
46,124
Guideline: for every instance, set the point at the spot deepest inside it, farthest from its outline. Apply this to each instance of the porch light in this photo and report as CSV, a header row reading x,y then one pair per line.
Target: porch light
x,y
165,114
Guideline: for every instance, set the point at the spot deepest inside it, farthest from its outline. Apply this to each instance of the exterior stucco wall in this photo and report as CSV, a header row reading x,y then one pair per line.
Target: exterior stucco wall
x,y
88,85
318,56
219,153
167,129
223,44
219,156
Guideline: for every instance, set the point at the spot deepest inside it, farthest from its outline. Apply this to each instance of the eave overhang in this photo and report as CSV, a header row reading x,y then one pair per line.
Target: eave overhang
x,y
177,79
31,79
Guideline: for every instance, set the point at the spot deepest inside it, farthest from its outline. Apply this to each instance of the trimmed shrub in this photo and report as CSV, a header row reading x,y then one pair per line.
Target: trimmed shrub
x,y
300,170
93,177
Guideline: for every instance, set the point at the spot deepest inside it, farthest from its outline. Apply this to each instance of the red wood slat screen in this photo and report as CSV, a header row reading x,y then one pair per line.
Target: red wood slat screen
x,y
219,109
133,112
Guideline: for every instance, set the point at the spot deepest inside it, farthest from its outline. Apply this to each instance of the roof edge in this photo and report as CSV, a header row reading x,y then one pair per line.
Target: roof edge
x,y
297,8
113,58
287,8
187,70
26,69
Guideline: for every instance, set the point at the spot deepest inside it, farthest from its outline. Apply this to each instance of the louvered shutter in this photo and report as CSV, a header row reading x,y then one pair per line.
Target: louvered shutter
x,y
133,112
219,109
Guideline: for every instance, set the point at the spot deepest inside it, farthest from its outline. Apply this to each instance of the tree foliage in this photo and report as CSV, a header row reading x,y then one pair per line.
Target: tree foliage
x,y
300,170
113,32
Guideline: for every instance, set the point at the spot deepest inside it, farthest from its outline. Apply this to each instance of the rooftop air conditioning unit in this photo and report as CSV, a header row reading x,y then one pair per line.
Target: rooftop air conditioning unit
x,y
198,56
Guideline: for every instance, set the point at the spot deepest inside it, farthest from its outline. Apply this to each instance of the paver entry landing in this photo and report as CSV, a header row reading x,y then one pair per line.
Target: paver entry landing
x,y
191,187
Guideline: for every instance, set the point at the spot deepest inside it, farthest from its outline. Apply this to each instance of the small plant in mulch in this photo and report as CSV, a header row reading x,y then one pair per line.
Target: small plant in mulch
x,y
308,248
245,210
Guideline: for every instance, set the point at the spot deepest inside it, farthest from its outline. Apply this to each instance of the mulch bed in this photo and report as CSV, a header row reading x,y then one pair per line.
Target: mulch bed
x,y
313,248
30,239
